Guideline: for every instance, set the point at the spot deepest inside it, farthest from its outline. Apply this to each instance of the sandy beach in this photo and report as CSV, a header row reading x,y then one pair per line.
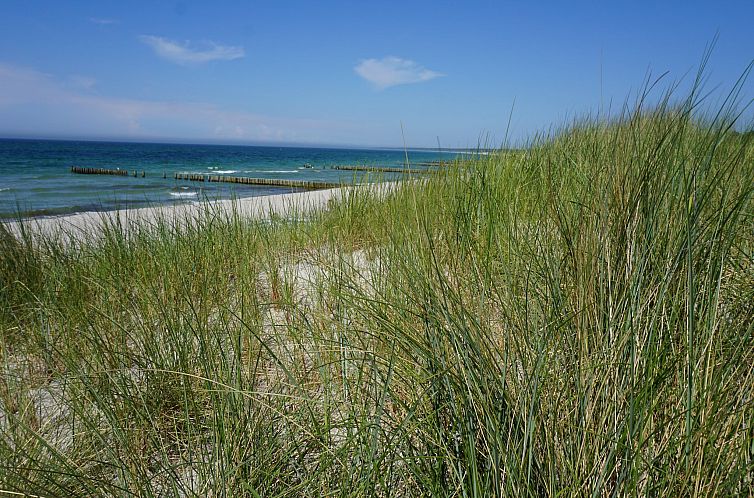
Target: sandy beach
x,y
87,224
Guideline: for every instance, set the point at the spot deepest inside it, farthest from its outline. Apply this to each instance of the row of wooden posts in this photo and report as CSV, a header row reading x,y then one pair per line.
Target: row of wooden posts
x,y
213,178
383,169
103,171
433,163
260,181
311,185
387,169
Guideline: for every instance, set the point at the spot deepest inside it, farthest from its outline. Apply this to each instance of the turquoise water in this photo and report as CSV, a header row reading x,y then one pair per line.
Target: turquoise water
x,y
35,176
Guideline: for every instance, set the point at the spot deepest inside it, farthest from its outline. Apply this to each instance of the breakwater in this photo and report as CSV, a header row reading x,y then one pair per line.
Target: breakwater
x,y
432,163
273,182
382,169
99,171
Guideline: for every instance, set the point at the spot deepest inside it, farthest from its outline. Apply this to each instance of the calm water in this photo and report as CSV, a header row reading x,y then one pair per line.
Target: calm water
x,y
35,177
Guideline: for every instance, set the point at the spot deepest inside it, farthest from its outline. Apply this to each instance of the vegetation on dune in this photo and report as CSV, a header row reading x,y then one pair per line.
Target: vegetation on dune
x,y
573,319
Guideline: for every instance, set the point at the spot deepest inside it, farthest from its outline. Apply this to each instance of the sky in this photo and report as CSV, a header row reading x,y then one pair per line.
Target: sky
x,y
384,74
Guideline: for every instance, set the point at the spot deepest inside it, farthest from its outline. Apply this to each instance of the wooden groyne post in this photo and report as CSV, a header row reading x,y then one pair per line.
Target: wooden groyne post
x,y
99,171
433,163
104,171
309,185
186,176
382,169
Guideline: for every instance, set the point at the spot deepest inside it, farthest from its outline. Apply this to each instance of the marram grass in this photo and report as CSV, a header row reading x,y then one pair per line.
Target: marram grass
x,y
573,319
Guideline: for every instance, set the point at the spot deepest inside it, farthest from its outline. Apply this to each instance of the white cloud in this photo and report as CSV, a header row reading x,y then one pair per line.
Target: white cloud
x,y
391,71
81,82
102,21
184,54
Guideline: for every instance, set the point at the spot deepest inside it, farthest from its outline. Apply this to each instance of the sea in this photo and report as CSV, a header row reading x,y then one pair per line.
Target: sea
x,y
36,178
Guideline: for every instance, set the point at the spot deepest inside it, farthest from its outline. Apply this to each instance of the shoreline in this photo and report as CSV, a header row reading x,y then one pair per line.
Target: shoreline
x,y
89,223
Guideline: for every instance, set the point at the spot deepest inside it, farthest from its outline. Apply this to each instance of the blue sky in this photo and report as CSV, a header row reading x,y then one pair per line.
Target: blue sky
x,y
345,73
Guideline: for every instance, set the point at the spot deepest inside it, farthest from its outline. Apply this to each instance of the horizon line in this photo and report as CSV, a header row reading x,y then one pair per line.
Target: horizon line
x,y
293,145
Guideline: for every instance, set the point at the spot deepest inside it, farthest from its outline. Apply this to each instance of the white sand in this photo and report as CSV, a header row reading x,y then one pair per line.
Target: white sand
x,y
82,225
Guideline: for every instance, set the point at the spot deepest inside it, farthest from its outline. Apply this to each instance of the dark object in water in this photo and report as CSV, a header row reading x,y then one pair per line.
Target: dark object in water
x,y
309,185
384,169
99,171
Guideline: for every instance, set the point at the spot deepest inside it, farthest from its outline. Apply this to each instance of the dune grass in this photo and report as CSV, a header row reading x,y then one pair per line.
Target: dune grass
x,y
573,319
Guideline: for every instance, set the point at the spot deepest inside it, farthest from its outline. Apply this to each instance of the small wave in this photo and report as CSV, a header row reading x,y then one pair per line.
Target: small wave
x,y
226,171
5,189
271,171
184,192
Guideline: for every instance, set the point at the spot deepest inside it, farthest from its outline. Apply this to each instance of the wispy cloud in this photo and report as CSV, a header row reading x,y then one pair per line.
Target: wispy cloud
x,y
81,82
392,71
102,21
34,103
183,53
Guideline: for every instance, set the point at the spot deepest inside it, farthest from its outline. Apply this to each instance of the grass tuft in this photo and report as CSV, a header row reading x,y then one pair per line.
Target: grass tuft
x,y
574,318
